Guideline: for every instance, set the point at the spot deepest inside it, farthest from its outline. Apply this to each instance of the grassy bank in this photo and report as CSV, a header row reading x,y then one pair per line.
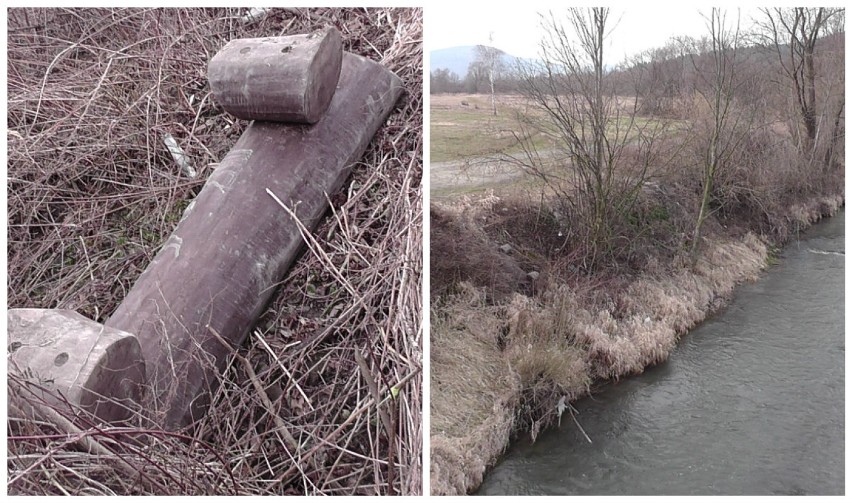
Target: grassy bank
x,y
505,352
93,192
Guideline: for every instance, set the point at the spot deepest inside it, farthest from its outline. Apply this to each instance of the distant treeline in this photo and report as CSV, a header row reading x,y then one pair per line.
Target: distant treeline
x,y
658,75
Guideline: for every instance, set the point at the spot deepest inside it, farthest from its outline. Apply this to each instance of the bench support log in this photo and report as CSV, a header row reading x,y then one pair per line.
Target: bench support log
x,y
221,265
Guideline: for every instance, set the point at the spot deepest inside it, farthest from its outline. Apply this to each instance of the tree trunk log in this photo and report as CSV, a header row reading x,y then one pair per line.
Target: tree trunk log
x,y
234,243
285,79
69,357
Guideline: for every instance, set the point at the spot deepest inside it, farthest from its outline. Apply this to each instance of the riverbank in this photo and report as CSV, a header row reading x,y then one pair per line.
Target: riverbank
x,y
504,357
760,379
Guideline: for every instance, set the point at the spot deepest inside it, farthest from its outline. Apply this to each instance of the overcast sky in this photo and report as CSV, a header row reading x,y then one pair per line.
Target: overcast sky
x,y
517,30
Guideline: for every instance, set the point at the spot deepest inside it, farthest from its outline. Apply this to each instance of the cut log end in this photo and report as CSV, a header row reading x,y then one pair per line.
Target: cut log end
x,y
69,357
324,75
279,79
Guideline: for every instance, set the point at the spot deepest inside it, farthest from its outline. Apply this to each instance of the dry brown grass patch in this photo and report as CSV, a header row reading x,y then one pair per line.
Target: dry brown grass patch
x,y
460,251
473,392
530,352
93,192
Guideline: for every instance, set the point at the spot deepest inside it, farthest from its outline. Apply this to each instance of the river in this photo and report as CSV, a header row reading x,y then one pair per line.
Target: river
x,y
750,402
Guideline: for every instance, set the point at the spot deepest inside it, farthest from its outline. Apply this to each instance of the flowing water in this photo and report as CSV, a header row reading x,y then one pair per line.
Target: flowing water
x,y
750,402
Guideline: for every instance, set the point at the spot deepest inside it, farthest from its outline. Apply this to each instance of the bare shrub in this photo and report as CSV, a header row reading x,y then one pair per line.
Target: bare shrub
x,y
589,170
532,228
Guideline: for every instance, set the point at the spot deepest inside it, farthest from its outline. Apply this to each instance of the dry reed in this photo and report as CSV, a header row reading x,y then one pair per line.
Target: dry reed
x,y
93,192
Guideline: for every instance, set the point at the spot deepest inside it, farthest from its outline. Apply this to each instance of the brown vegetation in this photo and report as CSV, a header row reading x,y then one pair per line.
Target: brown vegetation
x,y
608,303
93,192
499,368
473,257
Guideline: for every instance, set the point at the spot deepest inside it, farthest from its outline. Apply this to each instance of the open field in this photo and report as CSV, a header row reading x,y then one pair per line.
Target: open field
x,y
455,178
471,148
463,126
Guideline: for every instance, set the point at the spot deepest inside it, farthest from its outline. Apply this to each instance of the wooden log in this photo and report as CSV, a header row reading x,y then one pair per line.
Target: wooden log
x,y
221,265
97,368
285,79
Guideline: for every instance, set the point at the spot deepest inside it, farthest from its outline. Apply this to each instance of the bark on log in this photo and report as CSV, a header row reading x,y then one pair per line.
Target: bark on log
x,y
286,79
234,243
96,368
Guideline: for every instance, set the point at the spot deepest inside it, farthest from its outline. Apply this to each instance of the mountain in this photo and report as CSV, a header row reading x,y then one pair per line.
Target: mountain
x,y
457,59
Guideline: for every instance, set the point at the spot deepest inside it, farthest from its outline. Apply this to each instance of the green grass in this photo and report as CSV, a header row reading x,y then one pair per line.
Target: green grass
x,y
176,213
462,133
459,133
773,256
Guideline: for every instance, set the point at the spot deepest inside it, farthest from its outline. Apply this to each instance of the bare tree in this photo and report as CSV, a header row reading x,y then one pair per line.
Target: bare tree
x,y
490,58
477,73
442,80
794,34
834,95
601,154
727,125
836,22
658,79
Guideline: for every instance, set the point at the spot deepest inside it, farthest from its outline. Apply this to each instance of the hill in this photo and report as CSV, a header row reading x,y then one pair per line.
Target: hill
x,y
457,59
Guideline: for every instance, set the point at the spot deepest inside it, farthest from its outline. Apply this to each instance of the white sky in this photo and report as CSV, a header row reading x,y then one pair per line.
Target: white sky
x,y
517,30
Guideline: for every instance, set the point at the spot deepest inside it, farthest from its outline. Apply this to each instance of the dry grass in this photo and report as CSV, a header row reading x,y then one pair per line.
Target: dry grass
x,y
473,392
464,127
501,369
93,192
461,251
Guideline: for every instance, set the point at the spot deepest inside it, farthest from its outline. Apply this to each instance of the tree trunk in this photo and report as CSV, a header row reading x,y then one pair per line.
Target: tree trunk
x,y
221,265
493,99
